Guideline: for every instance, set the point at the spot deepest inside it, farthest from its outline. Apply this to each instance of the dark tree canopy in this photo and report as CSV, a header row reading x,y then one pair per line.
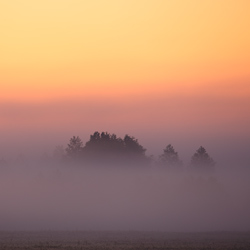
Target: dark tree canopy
x,y
170,157
103,143
107,148
202,161
132,146
103,147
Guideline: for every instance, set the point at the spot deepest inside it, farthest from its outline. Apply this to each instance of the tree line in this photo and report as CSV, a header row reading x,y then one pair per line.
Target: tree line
x,y
106,148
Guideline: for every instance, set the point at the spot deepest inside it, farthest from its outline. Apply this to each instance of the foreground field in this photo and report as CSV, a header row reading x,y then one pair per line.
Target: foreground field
x,y
123,240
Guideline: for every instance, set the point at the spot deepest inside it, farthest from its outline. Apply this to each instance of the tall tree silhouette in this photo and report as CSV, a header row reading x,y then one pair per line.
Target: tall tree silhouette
x,y
201,160
75,147
170,157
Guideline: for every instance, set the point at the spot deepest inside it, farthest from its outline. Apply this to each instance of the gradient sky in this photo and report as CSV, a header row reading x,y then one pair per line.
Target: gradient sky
x,y
171,71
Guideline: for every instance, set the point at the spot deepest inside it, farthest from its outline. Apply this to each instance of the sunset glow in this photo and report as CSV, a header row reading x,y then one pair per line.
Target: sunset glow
x,y
139,65
124,124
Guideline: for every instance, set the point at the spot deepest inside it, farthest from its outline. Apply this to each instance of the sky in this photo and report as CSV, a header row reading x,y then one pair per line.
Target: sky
x,y
165,72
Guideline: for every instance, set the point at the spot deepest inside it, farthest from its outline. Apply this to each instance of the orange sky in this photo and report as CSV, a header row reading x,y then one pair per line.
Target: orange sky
x,y
128,55
52,49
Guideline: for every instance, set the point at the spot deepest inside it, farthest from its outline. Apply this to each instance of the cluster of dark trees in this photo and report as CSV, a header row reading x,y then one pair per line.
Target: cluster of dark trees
x,y
105,148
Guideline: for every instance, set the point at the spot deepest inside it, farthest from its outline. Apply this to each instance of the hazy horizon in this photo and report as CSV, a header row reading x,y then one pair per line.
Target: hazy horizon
x,y
166,72
59,197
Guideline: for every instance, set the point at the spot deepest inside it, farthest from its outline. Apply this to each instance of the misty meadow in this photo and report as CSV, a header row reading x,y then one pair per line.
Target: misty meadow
x,y
107,193
111,184
124,124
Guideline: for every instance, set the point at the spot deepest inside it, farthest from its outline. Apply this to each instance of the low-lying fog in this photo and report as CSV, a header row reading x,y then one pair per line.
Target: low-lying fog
x,y
60,197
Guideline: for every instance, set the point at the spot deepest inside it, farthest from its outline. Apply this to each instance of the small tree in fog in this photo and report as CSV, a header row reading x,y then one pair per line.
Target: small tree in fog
x,y
202,161
75,147
170,157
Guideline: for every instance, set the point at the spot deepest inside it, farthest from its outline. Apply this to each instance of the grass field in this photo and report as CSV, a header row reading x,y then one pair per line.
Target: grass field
x,y
123,240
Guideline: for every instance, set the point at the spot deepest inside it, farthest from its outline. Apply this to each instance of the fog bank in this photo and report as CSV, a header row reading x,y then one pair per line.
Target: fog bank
x,y
60,197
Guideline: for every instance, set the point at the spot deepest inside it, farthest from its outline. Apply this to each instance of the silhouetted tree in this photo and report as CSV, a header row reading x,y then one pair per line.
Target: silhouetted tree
x,y
103,148
103,142
132,146
108,148
134,153
95,137
202,161
75,147
170,157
